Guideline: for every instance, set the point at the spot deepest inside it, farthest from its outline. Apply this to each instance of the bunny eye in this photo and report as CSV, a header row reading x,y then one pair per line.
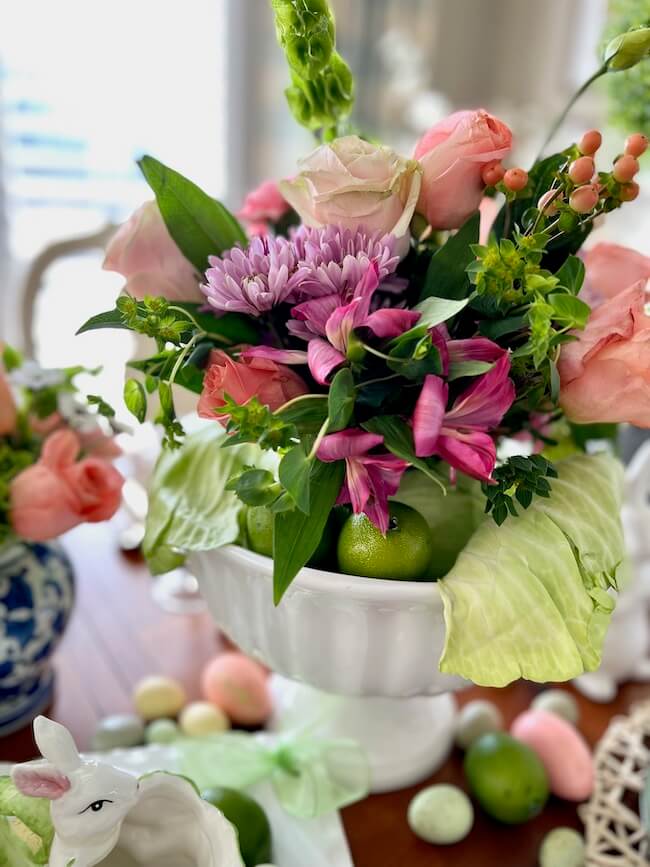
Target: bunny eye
x,y
96,806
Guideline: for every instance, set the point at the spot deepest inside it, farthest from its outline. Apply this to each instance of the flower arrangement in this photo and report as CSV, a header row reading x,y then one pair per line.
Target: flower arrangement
x,y
55,453
384,331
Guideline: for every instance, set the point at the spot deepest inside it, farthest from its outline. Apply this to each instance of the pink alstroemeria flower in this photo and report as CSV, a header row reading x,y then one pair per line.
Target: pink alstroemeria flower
x,y
471,349
459,435
370,479
332,324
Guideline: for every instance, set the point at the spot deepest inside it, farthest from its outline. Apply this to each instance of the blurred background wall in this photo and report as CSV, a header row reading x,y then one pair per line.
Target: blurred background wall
x,y
199,84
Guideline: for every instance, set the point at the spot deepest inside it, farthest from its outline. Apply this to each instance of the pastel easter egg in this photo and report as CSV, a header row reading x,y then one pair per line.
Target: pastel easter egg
x,y
119,731
562,847
202,718
477,718
559,702
239,686
561,749
441,814
161,731
159,696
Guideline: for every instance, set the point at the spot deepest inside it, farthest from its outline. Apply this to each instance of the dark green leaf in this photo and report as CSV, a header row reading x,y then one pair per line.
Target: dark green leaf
x,y
340,404
236,327
109,319
398,439
446,277
255,487
294,473
572,274
191,378
584,433
296,535
307,413
500,327
135,398
200,225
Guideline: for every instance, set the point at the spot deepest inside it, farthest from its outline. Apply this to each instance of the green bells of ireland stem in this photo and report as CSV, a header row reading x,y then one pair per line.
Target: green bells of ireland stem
x,y
628,49
322,89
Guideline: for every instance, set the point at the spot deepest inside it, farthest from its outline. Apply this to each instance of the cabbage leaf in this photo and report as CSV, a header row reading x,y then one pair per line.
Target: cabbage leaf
x,y
530,598
26,830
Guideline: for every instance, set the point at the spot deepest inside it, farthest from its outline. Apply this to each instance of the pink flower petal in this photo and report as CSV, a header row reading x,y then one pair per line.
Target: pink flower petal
x,y
473,453
486,401
391,322
316,312
475,349
283,356
323,359
428,415
351,442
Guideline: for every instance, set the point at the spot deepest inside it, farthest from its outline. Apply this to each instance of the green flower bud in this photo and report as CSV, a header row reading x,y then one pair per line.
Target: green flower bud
x,y
628,49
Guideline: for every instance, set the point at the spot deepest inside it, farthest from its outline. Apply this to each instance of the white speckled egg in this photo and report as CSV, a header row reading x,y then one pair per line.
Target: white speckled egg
x,y
441,814
562,847
558,701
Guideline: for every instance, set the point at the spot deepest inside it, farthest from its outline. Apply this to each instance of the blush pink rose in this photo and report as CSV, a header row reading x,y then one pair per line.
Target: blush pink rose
x,y
8,413
354,184
263,205
273,384
142,251
59,492
453,154
605,373
611,268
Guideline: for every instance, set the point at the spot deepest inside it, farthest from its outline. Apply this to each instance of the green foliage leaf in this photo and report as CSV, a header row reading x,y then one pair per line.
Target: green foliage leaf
x,y
235,327
569,311
11,358
200,225
34,813
458,369
494,329
294,473
296,535
190,508
528,599
108,319
307,413
135,398
341,400
446,275
398,439
572,274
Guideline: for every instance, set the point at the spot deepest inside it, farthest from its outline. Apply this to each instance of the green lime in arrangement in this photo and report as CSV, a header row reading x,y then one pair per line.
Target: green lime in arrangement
x,y
259,534
507,778
403,553
250,821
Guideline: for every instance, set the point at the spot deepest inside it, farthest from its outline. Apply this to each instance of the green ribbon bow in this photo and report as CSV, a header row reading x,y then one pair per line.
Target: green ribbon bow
x,y
310,776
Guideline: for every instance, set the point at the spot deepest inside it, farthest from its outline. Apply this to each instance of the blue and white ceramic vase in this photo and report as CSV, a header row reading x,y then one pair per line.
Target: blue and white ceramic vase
x,y
36,598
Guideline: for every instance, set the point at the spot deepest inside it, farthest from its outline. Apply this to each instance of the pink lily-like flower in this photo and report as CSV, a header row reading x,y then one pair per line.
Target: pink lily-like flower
x,y
332,324
471,349
459,435
370,479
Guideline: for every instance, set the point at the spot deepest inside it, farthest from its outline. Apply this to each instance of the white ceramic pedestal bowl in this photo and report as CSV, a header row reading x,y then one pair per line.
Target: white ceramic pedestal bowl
x,y
374,644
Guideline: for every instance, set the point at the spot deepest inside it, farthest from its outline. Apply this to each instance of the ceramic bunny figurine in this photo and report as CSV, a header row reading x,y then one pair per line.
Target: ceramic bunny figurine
x,y
103,815
626,653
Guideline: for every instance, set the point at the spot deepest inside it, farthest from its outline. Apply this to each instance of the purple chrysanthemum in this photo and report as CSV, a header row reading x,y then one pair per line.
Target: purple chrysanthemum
x,y
254,280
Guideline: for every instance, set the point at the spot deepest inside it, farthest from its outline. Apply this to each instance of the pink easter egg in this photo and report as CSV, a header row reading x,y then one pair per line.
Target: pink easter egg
x,y
239,686
561,749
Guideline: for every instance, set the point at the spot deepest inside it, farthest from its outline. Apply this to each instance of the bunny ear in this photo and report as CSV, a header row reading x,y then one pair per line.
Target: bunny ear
x,y
40,781
56,744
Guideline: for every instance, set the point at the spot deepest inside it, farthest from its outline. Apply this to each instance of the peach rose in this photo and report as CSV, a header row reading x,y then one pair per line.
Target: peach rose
x,y
142,251
355,184
605,373
8,413
263,205
453,154
273,384
59,492
611,268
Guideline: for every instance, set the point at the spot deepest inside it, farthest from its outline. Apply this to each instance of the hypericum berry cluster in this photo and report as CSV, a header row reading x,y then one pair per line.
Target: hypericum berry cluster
x,y
505,180
580,191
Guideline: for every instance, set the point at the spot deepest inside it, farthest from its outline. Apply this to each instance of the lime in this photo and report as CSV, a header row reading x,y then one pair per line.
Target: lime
x,y
250,821
403,553
259,529
506,777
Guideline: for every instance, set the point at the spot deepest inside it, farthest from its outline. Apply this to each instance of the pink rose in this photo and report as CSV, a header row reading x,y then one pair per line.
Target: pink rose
x,y
611,268
273,384
8,414
605,373
262,206
59,492
355,184
142,251
453,154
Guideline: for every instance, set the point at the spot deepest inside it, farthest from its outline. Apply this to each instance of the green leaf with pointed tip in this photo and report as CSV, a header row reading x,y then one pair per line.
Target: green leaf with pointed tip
x,y
341,400
398,439
446,275
294,473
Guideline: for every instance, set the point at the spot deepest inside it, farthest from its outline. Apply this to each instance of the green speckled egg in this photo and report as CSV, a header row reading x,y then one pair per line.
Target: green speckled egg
x,y
441,814
562,847
477,718
119,731
161,731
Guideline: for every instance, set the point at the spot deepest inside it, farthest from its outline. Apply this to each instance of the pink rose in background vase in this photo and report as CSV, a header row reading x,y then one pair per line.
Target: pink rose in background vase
x,y
453,154
59,492
8,414
611,268
273,384
263,205
605,373
354,184
142,251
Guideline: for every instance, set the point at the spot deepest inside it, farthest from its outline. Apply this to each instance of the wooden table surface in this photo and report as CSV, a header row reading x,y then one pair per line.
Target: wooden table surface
x,y
118,635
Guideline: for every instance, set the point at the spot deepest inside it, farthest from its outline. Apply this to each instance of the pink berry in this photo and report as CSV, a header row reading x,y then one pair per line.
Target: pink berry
x,y
548,202
492,173
629,192
590,142
582,170
636,144
584,199
625,168
515,179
